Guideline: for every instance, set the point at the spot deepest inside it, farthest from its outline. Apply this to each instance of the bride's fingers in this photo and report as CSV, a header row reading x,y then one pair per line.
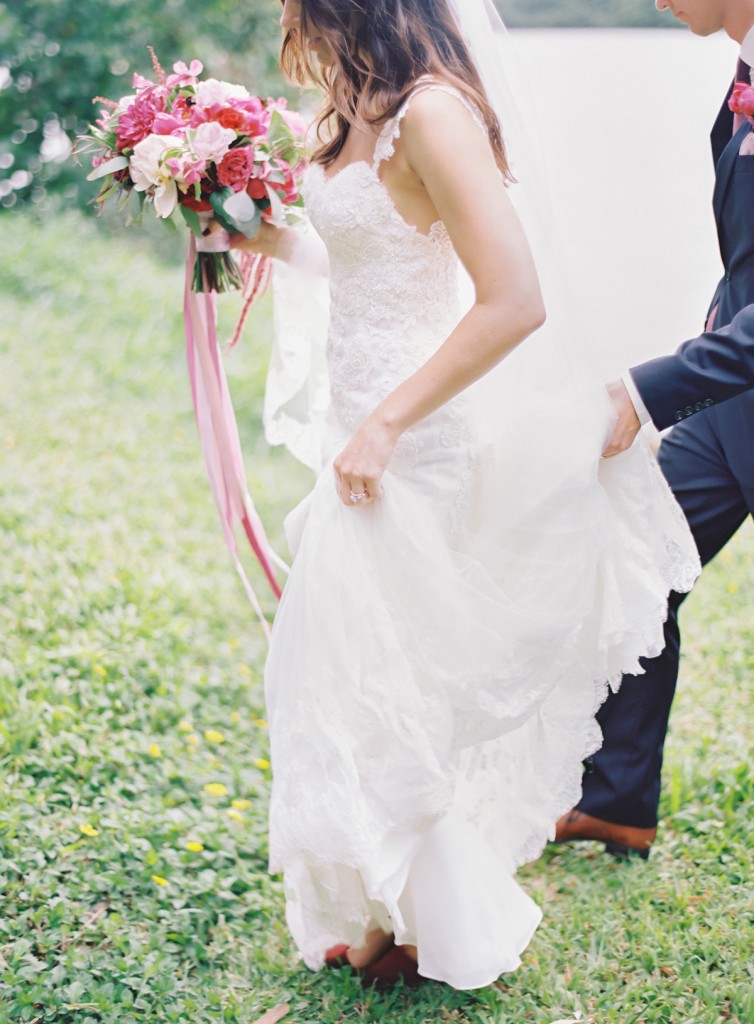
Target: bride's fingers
x,y
355,493
373,487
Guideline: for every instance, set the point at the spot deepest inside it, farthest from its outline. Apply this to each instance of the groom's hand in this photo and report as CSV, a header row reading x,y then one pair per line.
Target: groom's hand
x,y
627,425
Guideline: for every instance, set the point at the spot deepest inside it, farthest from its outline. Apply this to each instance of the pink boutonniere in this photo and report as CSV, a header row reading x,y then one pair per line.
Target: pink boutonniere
x,y
742,102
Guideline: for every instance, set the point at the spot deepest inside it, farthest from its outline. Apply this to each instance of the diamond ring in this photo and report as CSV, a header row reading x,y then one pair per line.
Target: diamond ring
x,y
356,498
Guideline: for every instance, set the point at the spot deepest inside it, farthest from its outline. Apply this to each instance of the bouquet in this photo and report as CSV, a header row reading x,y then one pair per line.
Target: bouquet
x,y
200,149
197,150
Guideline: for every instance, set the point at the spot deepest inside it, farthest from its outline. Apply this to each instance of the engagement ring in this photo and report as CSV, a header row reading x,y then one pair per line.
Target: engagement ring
x,y
356,498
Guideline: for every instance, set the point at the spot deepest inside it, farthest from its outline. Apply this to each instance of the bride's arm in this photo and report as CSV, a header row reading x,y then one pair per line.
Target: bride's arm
x,y
451,158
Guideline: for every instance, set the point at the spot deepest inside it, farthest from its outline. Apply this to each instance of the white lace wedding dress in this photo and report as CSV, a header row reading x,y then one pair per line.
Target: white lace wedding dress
x,y
438,656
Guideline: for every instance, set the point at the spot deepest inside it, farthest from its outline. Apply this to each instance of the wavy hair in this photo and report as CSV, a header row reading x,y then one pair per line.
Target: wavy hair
x,y
382,48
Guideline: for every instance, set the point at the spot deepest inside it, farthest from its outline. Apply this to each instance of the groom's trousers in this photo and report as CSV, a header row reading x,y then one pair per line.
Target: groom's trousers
x,y
709,462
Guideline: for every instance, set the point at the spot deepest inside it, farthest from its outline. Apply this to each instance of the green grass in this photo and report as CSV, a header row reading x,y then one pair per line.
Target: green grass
x,y
126,636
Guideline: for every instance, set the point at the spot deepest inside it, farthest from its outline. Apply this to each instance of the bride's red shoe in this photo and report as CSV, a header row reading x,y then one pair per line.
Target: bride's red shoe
x,y
396,965
336,956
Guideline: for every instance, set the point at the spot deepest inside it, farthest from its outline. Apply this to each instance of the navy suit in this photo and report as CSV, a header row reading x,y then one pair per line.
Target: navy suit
x,y
709,462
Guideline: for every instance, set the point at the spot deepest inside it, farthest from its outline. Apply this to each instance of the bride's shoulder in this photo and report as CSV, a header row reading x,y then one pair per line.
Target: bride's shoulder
x,y
435,105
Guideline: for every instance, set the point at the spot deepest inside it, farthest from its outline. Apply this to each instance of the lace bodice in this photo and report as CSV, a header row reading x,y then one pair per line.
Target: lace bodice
x,y
394,290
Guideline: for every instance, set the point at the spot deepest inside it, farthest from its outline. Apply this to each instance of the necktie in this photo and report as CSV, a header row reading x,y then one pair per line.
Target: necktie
x,y
743,74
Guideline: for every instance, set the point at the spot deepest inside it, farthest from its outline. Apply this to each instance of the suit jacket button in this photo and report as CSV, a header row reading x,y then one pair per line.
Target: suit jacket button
x,y
678,416
699,406
689,410
727,275
708,402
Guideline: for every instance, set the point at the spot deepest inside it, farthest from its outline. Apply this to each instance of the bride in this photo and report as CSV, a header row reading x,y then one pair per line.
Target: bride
x,y
469,575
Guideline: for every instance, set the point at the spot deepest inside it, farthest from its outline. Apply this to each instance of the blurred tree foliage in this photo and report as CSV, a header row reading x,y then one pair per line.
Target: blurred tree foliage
x,y
583,13
55,55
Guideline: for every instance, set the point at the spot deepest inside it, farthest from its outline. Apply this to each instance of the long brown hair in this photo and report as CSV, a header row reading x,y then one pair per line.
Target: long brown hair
x,y
382,48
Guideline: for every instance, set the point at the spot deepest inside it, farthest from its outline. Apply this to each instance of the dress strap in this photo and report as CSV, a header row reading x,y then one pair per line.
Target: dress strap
x,y
389,135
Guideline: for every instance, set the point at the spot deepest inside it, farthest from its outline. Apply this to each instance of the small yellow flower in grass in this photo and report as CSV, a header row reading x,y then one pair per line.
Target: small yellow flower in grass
x,y
185,726
234,814
244,670
261,722
159,880
241,805
214,736
732,587
89,830
194,847
193,740
216,789
233,642
154,750
262,764
99,670
235,718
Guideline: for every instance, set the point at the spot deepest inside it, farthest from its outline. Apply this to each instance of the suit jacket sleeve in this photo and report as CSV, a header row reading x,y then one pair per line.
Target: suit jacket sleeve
x,y
711,368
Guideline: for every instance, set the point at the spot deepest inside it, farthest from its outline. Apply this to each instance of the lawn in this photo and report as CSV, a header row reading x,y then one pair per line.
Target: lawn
x,y
132,737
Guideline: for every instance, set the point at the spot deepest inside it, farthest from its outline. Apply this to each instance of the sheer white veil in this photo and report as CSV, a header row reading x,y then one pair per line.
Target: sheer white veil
x,y
507,87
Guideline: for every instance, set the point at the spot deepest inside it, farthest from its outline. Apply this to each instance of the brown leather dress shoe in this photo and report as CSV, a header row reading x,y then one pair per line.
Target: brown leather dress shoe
x,y
620,840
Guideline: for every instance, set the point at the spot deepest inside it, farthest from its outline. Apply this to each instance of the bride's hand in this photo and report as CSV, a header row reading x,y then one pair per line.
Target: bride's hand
x,y
627,424
268,241
361,464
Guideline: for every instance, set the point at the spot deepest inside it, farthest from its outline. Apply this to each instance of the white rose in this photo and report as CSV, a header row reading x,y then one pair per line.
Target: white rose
x,y
211,141
211,91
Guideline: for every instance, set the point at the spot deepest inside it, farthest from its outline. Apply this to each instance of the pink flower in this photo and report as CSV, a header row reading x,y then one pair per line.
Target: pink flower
x,y
286,188
211,141
186,169
256,114
169,124
742,99
149,90
235,168
140,83
104,120
295,121
211,91
184,75
197,115
136,122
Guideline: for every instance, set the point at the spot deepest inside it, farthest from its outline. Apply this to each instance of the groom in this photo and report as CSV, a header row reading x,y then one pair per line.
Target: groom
x,y
708,460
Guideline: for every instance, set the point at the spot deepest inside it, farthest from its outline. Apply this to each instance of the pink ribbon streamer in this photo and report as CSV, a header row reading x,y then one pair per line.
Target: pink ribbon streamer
x,y
218,433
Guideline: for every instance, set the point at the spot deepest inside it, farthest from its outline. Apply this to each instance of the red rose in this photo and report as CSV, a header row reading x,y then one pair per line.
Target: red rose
x,y
234,170
257,189
197,205
230,118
